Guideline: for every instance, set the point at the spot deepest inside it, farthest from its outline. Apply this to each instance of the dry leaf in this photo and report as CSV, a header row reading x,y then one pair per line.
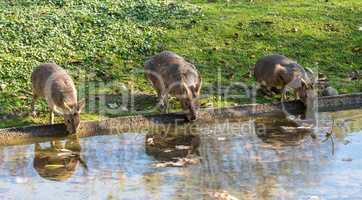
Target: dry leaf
x,y
150,141
182,147
2,86
314,198
22,97
182,162
357,49
224,195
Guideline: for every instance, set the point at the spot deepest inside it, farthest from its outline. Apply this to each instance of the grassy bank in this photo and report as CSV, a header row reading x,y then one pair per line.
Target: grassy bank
x,y
108,41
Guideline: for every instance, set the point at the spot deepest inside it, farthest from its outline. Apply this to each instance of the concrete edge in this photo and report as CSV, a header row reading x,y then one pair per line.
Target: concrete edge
x,y
28,134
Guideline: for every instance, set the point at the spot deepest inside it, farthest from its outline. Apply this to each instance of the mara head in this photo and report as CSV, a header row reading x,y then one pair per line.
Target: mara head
x,y
72,116
190,102
306,92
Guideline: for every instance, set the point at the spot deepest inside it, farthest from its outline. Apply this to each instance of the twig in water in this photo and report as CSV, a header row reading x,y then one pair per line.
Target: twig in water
x,y
330,135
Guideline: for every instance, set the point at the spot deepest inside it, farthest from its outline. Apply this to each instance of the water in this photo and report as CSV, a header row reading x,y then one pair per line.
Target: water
x,y
245,161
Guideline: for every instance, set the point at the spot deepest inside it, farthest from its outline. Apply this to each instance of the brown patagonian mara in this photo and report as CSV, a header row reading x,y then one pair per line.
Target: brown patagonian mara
x,y
170,74
277,72
51,82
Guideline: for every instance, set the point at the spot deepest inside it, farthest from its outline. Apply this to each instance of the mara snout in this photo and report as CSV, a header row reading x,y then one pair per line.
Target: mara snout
x,y
277,72
170,74
52,83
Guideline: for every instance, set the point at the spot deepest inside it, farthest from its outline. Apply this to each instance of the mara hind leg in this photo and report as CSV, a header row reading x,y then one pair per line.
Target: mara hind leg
x,y
160,90
162,98
162,94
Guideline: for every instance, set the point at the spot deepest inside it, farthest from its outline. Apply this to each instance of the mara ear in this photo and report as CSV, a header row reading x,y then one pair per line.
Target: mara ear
x,y
309,70
193,91
307,86
185,89
80,105
68,109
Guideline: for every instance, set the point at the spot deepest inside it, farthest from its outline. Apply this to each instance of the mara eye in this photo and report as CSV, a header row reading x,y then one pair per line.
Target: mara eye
x,y
69,121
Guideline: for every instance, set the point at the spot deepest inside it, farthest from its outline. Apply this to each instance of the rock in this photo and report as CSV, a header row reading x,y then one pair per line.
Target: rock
x,y
330,91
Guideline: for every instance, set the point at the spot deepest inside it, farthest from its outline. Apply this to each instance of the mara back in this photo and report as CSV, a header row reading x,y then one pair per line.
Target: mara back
x,y
277,70
52,82
170,70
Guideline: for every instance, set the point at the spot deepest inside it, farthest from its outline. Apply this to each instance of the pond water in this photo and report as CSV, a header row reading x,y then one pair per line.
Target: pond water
x,y
248,159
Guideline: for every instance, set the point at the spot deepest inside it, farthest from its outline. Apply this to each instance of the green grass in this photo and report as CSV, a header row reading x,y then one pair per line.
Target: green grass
x,y
108,41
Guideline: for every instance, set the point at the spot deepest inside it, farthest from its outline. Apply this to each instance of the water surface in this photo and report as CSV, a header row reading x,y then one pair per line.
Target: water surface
x,y
249,159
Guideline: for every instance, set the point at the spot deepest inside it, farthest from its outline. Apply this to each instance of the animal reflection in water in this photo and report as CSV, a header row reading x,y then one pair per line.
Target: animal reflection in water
x,y
59,161
171,146
281,132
